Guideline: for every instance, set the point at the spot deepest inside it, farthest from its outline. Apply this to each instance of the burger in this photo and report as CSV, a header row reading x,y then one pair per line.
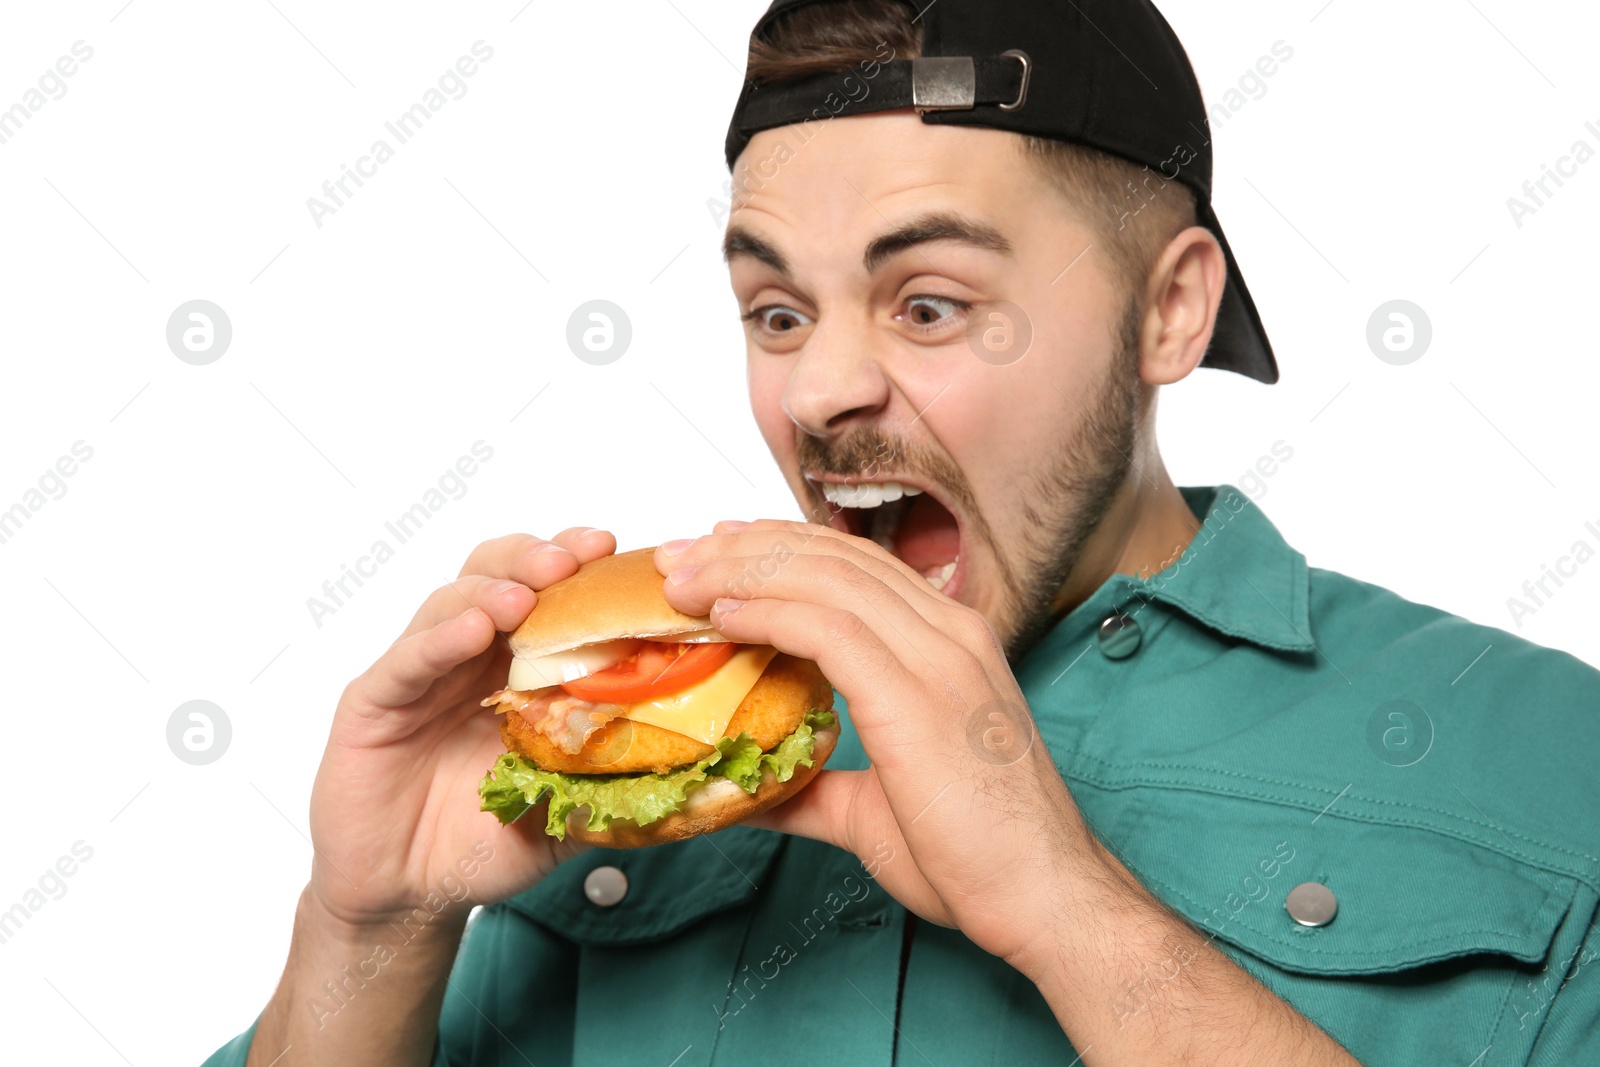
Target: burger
x,y
642,725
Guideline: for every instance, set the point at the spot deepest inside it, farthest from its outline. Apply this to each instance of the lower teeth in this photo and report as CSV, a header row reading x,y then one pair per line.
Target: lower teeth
x,y
937,578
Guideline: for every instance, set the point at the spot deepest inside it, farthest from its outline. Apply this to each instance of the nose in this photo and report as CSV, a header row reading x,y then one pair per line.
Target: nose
x,y
834,381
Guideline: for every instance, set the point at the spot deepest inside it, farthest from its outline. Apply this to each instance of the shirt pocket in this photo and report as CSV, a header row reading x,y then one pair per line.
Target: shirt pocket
x,y
1435,953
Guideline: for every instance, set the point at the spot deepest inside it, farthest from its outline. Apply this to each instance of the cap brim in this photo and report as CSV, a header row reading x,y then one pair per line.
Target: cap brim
x,y
1239,342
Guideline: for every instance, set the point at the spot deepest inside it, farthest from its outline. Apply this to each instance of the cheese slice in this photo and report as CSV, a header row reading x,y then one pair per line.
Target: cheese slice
x,y
703,710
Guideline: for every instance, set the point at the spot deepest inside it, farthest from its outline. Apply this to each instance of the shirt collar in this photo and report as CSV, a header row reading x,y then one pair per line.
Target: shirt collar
x,y
1238,575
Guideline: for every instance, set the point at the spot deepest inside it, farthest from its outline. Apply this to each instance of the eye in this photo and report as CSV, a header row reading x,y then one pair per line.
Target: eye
x,y
932,313
777,318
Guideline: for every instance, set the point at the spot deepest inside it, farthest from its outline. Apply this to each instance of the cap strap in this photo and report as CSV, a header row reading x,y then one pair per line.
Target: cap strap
x,y
927,83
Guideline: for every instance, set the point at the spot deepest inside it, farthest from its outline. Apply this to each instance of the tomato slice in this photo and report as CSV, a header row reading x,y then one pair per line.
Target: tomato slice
x,y
657,669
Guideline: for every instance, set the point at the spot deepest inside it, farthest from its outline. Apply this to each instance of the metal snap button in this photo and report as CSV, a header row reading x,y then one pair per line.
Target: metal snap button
x,y
1311,904
1119,636
605,886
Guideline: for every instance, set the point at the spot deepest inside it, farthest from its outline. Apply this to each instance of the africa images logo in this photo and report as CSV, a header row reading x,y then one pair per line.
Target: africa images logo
x,y
402,128
1537,193
1537,592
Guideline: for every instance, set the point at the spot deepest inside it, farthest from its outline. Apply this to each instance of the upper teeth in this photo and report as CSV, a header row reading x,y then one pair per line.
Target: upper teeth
x,y
866,494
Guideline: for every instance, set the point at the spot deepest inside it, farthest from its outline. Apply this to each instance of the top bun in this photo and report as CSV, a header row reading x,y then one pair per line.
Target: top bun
x,y
614,596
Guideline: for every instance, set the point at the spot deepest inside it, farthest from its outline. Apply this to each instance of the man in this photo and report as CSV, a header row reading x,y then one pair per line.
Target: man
x,y
1123,780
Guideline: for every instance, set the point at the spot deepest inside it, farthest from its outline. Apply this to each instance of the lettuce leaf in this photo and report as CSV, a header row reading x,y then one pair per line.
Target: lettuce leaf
x,y
514,785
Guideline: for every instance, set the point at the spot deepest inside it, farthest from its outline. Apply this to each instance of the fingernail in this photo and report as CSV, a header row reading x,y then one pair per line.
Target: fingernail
x,y
733,525
496,588
548,546
672,548
725,606
682,574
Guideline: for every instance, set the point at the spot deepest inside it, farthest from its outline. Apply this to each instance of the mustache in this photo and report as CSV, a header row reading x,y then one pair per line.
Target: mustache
x,y
870,453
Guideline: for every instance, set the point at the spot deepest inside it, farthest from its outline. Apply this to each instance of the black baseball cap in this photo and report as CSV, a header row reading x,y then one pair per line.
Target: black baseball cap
x,y
1107,74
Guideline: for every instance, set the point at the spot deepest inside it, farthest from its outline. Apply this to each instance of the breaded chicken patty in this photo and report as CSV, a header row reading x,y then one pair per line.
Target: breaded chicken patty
x,y
774,707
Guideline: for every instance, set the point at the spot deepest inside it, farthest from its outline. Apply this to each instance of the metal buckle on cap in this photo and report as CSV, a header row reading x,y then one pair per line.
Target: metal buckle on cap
x,y
943,83
1027,70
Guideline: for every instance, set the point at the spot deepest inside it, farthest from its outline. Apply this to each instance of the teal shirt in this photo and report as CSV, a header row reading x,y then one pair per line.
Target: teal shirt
x,y
1273,725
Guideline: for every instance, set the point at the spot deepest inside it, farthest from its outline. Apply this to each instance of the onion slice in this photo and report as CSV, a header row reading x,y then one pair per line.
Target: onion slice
x,y
692,637
572,664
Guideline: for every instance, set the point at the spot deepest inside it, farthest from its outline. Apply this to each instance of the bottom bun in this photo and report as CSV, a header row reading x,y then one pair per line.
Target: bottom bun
x,y
718,803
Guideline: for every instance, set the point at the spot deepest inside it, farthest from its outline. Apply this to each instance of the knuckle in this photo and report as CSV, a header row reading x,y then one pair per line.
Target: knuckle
x,y
845,629
968,670
461,587
862,544
485,551
743,582
977,633
864,584
356,688
844,572
499,545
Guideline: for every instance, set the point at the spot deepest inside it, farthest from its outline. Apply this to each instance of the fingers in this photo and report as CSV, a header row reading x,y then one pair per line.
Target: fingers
x,y
820,811
529,831
506,603
535,562
500,576
770,545
413,664
845,809
843,580
853,657
495,592
823,538
586,543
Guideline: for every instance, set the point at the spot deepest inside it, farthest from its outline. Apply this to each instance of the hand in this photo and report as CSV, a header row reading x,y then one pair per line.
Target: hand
x,y
961,793
394,810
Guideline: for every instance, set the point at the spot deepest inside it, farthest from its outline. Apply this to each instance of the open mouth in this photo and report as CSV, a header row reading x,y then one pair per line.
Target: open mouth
x,y
906,519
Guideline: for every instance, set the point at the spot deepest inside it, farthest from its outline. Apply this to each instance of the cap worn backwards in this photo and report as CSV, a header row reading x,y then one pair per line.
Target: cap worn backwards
x,y
1107,74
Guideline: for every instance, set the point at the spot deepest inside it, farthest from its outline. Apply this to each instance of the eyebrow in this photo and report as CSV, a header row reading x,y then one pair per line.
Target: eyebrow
x,y
933,226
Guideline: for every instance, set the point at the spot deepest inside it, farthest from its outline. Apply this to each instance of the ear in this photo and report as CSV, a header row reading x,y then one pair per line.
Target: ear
x,y
1181,301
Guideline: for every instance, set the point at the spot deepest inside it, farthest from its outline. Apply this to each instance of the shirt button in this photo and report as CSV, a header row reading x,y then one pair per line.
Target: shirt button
x,y
605,886
1119,636
1311,904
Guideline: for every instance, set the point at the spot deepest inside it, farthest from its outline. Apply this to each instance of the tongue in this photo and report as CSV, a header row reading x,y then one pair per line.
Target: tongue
x,y
927,538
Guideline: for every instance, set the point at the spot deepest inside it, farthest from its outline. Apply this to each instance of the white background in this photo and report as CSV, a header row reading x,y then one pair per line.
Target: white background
x,y
428,311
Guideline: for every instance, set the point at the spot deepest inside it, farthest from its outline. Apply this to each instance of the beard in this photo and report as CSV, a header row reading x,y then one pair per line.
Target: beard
x,y
1068,496
1064,496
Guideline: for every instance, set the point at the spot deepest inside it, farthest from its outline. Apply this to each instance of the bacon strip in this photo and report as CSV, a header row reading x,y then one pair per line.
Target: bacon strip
x,y
566,720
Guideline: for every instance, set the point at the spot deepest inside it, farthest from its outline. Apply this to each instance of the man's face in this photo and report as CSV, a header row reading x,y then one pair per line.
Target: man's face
x,y
895,269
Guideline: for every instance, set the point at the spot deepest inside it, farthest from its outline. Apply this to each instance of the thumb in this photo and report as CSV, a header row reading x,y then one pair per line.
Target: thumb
x,y
820,811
